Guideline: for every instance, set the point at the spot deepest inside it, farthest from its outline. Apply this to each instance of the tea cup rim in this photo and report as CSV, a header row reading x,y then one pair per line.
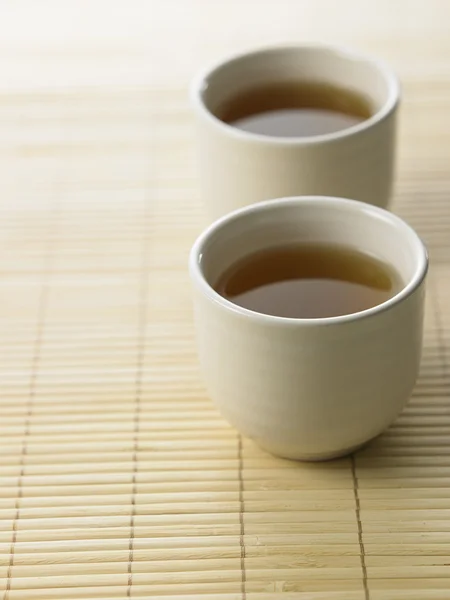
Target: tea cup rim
x,y
199,83
344,204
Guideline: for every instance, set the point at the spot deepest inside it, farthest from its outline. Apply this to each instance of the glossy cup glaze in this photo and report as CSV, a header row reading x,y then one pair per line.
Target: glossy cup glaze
x,y
309,389
238,168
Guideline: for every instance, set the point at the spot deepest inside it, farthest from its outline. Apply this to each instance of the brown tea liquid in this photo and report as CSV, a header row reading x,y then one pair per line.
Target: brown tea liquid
x,y
295,109
309,281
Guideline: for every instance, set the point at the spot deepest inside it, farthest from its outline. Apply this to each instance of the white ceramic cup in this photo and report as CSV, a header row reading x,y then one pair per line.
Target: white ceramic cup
x,y
239,168
309,389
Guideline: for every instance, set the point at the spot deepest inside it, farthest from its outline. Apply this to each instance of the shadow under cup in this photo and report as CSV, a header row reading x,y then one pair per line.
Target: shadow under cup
x,y
309,388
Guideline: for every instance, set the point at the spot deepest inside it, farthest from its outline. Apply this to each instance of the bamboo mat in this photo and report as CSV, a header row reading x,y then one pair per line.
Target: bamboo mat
x,y
118,478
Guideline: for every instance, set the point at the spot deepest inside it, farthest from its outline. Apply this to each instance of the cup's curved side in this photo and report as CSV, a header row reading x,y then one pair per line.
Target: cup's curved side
x,y
238,168
236,171
310,392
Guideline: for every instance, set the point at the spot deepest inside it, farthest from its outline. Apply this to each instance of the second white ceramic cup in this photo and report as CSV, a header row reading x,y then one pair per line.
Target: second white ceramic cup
x,y
309,388
239,168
